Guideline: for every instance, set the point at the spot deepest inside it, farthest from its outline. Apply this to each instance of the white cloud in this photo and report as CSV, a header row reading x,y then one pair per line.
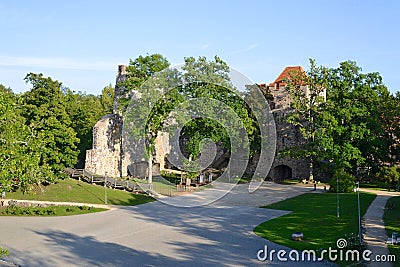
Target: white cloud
x,y
246,49
60,63
205,46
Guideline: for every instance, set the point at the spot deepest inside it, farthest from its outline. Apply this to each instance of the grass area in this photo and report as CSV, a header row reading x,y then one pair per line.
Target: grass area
x,y
47,211
316,216
70,190
392,223
375,185
173,178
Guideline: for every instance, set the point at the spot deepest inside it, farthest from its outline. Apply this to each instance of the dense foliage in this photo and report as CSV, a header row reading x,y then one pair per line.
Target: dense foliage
x,y
357,126
44,109
85,110
342,182
45,130
390,176
20,147
198,78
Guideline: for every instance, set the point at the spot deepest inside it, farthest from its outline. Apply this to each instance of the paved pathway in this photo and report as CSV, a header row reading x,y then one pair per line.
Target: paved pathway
x,y
376,234
239,196
152,234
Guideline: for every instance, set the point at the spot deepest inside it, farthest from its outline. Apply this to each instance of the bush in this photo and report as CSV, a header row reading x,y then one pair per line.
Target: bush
x,y
389,175
346,182
27,211
4,252
171,177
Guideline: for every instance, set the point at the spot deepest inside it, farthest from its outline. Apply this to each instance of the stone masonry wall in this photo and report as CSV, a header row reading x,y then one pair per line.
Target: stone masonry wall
x,y
107,155
287,136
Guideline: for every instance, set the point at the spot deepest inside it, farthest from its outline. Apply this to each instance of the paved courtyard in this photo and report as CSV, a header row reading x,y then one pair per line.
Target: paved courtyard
x,y
153,234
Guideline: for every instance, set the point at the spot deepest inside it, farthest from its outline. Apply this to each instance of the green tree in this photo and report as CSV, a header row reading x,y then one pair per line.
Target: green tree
x,y
199,79
344,180
44,110
146,121
389,175
20,148
210,79
84,111
389,136
107,99
138,72
259,102
344,131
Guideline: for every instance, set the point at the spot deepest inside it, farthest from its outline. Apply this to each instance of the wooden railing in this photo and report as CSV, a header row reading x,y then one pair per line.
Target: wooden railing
x,y
89,177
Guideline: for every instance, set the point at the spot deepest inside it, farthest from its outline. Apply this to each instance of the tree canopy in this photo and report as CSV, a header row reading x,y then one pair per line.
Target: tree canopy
x,y
85,111
44,109
20,148
356,126
198,78
45,130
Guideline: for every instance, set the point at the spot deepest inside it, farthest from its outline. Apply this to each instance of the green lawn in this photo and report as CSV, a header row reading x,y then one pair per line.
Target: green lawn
x,y
316,216
70,190
392,223
375,185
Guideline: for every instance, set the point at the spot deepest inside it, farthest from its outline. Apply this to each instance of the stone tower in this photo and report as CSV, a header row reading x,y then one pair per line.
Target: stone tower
x,y
107,157
287,134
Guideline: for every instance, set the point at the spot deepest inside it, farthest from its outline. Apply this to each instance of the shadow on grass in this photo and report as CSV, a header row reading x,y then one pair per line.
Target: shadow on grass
x,y
132,200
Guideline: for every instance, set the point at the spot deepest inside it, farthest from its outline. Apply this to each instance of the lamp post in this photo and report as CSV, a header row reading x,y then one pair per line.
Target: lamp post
x,y
359,212
105,188
337,197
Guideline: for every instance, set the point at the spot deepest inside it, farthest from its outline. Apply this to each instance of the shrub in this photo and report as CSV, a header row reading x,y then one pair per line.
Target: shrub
x,y
4,252
346,182
389,175
69,209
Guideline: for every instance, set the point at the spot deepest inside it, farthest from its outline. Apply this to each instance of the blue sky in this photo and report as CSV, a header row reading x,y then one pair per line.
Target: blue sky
x,y
80,43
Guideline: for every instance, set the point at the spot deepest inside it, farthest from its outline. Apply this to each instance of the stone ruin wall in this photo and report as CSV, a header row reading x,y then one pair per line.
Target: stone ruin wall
x,y
286,136
107,155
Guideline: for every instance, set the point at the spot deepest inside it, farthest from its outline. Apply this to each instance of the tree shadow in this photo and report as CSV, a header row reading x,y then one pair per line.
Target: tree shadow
x,y
73,250
223,236
152,234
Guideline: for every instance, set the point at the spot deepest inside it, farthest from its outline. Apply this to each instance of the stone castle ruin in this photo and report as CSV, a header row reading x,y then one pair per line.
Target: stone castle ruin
x,y
107,157
287,134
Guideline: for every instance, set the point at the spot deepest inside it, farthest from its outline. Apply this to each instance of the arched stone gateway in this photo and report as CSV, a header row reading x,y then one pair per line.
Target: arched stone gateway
x,y
282,172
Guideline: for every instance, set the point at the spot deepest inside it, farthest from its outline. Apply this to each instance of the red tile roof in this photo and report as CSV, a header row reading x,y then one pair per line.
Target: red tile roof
x,y
286,73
